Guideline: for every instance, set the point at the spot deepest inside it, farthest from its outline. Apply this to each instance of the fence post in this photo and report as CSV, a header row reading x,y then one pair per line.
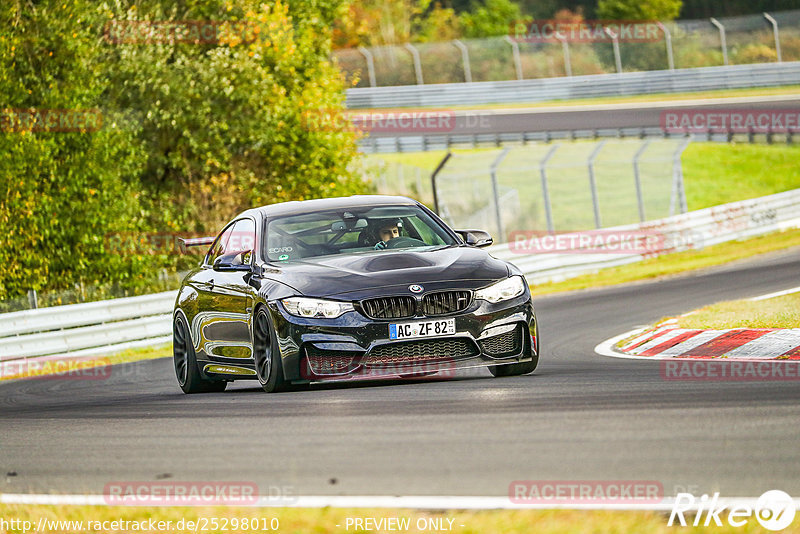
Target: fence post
x,y
515,51
637,178
496,193
668,41
593,184
370,65
565,49
774,23
545,193
615,44
33,300
439,167
464,59
678,195
722,40
417,62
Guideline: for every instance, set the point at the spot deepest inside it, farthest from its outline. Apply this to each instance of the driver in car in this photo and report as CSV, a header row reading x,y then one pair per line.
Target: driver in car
x,y
387,232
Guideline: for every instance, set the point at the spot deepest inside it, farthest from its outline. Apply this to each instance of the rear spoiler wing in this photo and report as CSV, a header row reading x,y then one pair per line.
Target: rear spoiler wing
x,y
196,241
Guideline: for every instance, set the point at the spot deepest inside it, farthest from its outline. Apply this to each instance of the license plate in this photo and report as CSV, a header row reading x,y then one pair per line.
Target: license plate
x,y
444,327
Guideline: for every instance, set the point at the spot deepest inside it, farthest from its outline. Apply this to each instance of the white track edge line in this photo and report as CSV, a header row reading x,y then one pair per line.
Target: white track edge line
x,y
383,501
776,294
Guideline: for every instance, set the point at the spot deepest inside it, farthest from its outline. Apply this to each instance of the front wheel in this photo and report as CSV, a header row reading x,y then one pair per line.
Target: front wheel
x,y
266,354
515,369
185,361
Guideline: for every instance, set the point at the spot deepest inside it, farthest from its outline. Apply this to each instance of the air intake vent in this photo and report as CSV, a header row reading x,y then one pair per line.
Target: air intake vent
x,y
505,344
446,302
389,307
423,350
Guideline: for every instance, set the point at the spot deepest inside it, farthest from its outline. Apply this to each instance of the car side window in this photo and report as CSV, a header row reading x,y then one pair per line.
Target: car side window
x,y
219,246
243,237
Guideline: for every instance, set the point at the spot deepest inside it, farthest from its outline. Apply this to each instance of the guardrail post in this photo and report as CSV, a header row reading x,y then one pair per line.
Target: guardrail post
x,y
370,65
515,52
496,193
545,192
678,195
33,300
565,49
774,23
668,41
722,40
615,44
417,62
464,59
439,167
593,184
637,178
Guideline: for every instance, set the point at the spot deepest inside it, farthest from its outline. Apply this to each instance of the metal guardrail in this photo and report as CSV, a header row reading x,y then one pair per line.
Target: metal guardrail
x,y
104,327
572,87
424,143
693,230
77,330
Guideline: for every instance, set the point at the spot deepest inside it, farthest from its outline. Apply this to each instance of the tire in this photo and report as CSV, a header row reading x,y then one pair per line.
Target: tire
x,y
269,368
185,362
516,369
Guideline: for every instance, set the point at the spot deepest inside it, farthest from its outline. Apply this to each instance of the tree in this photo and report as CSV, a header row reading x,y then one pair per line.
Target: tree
x,y
494,17
193,130
662,10
63,188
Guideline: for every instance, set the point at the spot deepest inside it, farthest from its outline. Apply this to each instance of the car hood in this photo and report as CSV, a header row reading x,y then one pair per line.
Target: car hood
x,y
359,275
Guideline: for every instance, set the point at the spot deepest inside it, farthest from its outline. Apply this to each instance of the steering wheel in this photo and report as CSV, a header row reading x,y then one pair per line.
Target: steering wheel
x,y
403,241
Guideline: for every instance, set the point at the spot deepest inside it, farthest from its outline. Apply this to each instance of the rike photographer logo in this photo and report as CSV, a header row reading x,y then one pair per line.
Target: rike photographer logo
x,y
774,510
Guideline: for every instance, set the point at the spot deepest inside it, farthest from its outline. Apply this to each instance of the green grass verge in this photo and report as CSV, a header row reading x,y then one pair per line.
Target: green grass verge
x,y
778,312
677,263
334,520
656,97
714,173
720,173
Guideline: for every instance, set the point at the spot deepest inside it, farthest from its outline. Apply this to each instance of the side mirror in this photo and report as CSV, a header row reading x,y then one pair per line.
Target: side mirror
x,y
476,238
236,261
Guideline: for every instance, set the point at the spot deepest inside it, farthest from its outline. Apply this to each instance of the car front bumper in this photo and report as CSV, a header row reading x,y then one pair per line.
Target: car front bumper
x,y
355,346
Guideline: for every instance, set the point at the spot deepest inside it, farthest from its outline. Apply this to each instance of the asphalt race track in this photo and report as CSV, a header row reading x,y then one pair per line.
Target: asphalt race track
x,y
580,416
585,117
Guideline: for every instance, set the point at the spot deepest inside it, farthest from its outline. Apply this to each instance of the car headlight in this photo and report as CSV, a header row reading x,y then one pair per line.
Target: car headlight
x,y
506,289
306,307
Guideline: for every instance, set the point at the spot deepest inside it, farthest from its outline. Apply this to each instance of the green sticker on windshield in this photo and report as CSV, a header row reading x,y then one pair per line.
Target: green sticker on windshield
x,y
283,257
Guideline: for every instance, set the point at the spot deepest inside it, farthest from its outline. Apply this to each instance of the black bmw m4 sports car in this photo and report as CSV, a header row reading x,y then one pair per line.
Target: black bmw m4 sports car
x,y
344,288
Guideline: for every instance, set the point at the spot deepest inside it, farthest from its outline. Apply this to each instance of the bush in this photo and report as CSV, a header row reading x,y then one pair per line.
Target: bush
x,y
192,132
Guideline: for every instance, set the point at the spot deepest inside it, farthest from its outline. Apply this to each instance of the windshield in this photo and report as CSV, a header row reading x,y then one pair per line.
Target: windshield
x,y
354,230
